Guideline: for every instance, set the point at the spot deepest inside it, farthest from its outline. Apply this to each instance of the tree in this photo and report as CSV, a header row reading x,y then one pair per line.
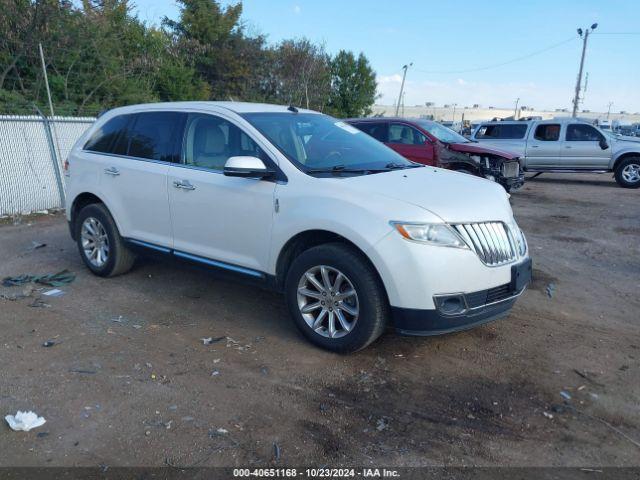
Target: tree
x,y
209,39
353,85
99,55
303,72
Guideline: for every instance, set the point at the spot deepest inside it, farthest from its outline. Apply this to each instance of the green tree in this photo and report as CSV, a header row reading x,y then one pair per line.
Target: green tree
x,y
353,85
210,39
302,72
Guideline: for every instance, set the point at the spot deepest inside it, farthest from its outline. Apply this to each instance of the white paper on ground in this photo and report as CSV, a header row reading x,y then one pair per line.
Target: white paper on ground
x,y
56,292
24,421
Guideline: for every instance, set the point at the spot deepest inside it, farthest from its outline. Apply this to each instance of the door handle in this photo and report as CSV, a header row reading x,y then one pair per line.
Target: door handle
x,y
112,171
184,185
567,146
534,146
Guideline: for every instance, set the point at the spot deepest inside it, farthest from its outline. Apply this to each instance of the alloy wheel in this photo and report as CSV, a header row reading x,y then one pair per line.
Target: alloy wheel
x,y
631,173
95,242
328,301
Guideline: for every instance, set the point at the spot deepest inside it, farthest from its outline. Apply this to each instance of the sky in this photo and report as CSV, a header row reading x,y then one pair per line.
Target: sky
x,y
463,51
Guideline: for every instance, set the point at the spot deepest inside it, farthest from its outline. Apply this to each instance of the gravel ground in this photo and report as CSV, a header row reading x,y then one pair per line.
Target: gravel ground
x,y
129,382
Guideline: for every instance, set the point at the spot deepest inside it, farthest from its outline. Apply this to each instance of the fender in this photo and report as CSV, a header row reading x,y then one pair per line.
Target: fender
x,y
630,151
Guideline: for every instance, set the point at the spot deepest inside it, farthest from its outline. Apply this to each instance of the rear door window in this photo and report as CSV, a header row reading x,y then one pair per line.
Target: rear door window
x,y
502,131
377,130
547,132
582,133
105,138
156,136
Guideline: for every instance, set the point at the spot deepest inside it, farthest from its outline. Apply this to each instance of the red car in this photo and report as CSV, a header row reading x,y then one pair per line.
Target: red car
x,y
429,143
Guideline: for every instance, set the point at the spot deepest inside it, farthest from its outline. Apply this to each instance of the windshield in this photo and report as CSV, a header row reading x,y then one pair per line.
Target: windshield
x,y
317,142
441,132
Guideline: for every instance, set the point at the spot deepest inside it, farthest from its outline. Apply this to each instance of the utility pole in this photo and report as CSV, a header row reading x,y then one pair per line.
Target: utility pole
x,y
404,76
515,111
46,78
609,110
576,98
453,117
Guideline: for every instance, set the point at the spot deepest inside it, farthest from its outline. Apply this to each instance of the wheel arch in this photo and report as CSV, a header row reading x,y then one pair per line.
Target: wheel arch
x,y
623,157
79,202
312,238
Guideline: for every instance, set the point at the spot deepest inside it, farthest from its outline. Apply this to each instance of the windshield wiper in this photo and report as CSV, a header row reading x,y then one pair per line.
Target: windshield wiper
x,y
341,169
398,166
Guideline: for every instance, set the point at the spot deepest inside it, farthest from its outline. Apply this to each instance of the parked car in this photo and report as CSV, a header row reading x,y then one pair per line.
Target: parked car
x,y
430,143
353,234
566,145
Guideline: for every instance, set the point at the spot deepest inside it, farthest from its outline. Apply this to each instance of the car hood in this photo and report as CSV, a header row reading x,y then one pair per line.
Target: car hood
x,y
625,141
452,196
480,149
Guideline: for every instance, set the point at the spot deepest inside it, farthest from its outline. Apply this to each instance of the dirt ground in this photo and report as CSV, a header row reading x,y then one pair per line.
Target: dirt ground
x,y
130,383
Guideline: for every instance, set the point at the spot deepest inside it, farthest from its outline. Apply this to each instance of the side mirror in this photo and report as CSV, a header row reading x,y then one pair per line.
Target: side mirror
x,y
246,167
603,144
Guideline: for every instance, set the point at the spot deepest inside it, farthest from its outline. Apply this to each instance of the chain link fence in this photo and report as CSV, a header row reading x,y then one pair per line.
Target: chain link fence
x,y
32,152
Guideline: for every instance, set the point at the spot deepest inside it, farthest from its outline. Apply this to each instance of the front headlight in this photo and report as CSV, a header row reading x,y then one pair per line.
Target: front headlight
x,y
431,233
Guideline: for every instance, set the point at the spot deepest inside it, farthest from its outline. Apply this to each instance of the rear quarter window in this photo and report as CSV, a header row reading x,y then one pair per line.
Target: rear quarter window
x,y
104,139
502,131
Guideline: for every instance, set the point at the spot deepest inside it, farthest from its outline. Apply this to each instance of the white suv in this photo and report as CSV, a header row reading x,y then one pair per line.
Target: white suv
x,y
355,236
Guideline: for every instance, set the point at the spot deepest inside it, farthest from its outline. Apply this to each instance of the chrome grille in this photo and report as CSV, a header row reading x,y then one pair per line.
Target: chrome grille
x,y
491,241
510,169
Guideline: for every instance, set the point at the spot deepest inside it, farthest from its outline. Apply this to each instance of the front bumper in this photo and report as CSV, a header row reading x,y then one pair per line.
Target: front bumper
x,y
511,182
461,311
408,321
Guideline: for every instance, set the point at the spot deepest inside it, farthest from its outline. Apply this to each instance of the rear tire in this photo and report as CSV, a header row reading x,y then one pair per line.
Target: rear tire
x,y
99,242
627,173
337,269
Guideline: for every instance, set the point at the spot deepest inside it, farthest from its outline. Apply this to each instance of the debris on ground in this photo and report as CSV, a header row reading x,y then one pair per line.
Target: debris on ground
x,y
215,373
63,277
565,395
550,289
49,343
218,432
26,292
55,292
548,415
24,421
276,452
36,246
237,345
39,303
587,377
382,424
211,340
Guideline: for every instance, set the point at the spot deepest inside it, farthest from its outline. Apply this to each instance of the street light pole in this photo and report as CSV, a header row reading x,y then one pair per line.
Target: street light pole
x,y
404,76
576,98
609,110
453,117
515,111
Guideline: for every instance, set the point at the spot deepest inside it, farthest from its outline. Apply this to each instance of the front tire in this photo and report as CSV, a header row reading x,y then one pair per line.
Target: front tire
x,y
100,244
336,298
627,173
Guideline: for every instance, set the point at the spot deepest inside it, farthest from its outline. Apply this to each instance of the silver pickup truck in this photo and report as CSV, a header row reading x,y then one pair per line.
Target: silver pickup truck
x,y
565,145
